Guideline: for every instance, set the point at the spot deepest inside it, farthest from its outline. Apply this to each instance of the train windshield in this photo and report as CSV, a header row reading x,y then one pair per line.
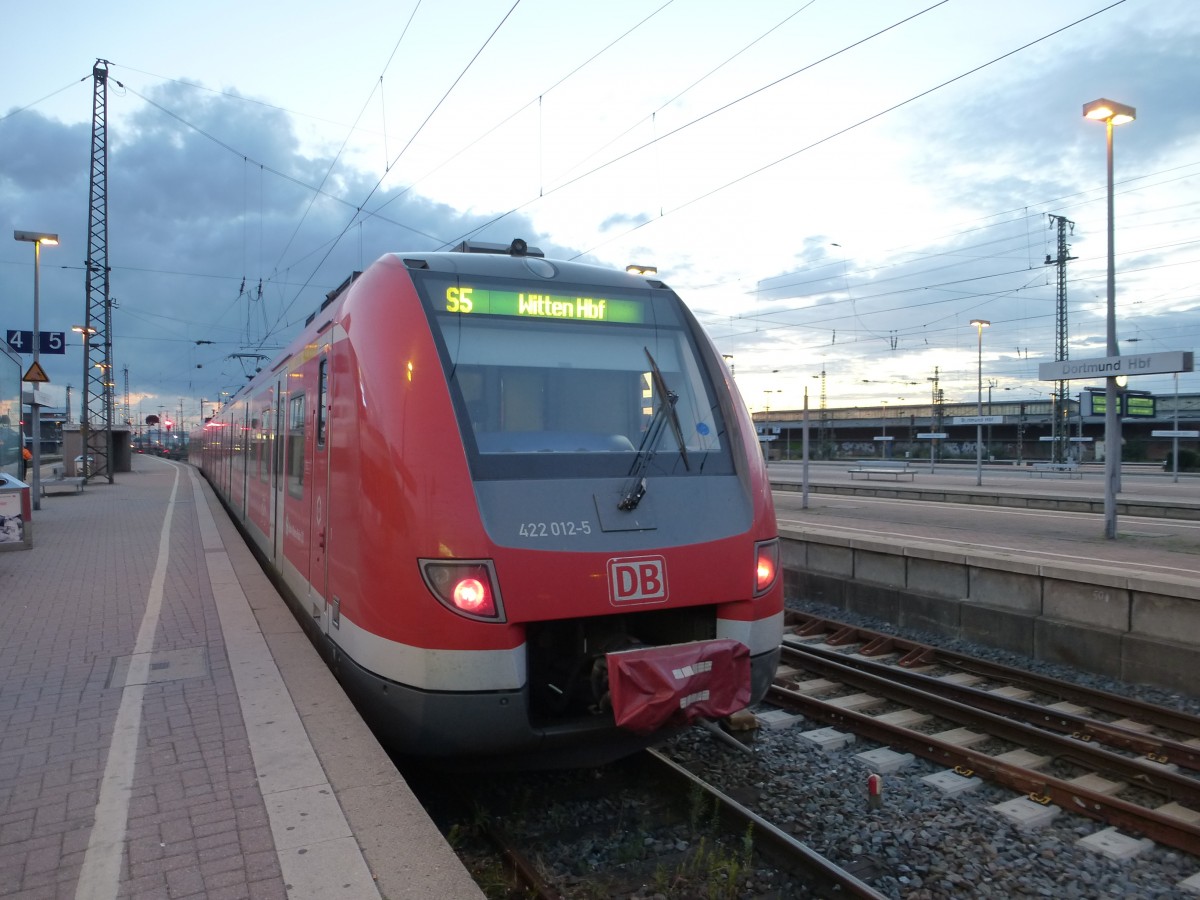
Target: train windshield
x,y
572,383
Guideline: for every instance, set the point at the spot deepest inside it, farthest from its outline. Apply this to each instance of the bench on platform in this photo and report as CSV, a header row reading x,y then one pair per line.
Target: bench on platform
x,y
58,483
885,468
1070,469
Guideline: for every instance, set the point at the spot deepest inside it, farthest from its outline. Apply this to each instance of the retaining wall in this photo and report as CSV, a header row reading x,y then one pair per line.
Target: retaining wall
x,y
1139,629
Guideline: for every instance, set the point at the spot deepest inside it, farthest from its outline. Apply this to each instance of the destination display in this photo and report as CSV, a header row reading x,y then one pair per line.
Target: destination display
x,y
1128,404
532,304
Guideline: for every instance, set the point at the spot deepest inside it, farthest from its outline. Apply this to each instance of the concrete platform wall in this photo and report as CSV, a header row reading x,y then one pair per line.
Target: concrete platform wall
x,y
1097,619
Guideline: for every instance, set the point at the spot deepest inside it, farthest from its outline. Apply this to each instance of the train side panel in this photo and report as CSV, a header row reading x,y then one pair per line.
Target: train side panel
x,y
399,483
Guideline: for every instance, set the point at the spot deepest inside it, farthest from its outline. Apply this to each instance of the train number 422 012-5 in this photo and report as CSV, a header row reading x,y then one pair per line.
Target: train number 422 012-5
x,y
555,529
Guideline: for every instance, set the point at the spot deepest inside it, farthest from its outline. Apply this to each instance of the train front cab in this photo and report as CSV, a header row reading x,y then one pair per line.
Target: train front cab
x,y
600,431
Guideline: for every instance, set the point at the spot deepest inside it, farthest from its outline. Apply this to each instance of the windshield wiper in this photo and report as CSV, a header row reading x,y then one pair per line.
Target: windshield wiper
x,y
665,412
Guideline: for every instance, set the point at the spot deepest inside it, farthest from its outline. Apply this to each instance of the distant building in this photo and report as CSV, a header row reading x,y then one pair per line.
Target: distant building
x,y
1026,430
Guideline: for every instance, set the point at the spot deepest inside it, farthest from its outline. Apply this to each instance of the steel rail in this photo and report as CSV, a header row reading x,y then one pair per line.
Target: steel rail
x,y
1154,749
930,698
876,643
530,878
797,852
1043,788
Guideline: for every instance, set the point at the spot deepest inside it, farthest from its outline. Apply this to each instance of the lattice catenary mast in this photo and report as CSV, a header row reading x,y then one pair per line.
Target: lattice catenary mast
x,y
96,413
1061,426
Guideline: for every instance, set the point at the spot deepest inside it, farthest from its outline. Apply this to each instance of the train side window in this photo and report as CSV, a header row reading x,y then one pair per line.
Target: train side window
x,y
295,447
322,400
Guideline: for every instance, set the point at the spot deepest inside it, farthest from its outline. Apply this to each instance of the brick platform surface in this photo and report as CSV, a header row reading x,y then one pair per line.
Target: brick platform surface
x,y
143,753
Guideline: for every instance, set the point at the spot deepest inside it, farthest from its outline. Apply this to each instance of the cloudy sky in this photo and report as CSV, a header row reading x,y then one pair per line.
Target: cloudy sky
x,y
833,187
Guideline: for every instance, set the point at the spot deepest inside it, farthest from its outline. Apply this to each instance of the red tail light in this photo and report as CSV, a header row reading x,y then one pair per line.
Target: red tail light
x,y
766,566
471,595
468,587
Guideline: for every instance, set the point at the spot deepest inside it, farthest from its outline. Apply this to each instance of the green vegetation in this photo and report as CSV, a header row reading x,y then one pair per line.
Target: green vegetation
x,y
1189,461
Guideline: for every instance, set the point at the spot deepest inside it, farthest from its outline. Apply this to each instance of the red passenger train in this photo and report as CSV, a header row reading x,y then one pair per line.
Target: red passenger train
x,y
517,502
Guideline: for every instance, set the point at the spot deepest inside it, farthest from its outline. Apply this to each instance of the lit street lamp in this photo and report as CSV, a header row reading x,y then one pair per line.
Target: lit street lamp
x,y
1111,114
36,238
979,324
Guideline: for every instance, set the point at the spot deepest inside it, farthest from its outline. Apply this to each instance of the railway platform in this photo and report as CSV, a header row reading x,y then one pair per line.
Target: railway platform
x,y
1016,562
168,731
1145,490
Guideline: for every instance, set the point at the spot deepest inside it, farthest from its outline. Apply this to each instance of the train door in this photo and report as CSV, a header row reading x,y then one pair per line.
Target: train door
x,y
239,455
319,495
278,480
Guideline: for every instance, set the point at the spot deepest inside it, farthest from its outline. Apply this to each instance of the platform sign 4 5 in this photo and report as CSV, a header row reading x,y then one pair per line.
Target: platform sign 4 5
x,y
50,342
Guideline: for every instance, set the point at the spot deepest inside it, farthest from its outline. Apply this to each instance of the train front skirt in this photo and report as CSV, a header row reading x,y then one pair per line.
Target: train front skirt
x,y
671,686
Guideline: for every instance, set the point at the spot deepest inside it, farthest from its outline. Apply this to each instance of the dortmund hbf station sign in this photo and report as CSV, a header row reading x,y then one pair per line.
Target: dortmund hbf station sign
x,y
1113,366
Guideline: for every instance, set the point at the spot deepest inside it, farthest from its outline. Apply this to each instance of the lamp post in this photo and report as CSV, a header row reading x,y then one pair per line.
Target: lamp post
x,y
979,324
87,331
1175,439
992,383
37,238
883,430
804,450
1110,113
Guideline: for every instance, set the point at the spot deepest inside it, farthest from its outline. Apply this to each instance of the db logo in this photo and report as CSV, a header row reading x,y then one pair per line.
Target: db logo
x,y
637,579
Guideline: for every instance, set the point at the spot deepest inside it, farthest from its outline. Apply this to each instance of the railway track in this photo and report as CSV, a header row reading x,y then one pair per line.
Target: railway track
x,y
647,826
700,820
1125,714
1130,765
826,877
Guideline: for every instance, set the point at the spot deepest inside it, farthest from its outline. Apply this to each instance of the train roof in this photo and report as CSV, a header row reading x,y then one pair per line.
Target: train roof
x,y
518,259
511,260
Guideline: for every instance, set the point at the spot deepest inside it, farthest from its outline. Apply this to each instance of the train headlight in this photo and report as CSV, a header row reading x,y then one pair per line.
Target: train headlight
x,y
468,587
766,566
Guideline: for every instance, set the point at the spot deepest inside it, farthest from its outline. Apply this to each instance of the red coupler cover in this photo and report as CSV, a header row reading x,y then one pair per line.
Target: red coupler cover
x,y
673,685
